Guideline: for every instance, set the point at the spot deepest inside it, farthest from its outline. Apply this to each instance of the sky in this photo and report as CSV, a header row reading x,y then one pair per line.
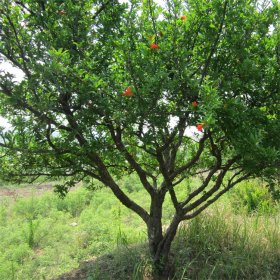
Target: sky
x,y
7,67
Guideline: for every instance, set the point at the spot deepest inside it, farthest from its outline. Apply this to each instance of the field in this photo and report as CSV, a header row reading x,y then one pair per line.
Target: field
x,y
90,235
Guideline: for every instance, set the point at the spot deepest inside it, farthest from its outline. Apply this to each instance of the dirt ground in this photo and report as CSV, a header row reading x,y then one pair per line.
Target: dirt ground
x,y
25,191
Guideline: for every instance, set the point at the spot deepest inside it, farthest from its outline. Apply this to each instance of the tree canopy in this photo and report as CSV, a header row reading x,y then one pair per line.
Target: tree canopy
x,y
112,88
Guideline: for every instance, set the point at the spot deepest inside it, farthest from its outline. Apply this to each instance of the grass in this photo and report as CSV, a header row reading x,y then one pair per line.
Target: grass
x,y
225,246
43,236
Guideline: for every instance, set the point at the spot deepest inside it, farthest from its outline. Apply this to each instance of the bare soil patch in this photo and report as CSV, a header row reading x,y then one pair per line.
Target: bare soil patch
x,y
25,191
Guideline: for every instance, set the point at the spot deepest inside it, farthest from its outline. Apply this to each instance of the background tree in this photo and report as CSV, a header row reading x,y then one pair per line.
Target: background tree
x,y
110,89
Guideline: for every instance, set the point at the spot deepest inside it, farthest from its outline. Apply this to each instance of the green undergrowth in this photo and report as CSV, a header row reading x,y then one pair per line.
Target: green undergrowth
x,y
44,236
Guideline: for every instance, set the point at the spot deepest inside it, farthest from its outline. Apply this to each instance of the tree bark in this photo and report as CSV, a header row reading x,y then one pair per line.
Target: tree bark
x,y
159,242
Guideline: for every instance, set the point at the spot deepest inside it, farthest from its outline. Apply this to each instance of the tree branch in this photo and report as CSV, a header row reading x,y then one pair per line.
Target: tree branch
x,y
117,138
174,200
214,46
22,53
216,197
193,161
102,7
216,186
22,104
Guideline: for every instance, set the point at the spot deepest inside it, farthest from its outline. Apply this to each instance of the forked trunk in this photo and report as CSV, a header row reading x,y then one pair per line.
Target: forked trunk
x,y
159,245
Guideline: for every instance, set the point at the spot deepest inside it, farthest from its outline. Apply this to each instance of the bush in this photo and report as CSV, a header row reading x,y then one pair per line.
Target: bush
x,y
131,184
75,202
252,196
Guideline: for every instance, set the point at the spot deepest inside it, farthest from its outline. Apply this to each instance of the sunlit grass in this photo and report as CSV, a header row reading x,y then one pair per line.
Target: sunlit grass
x,y
44,236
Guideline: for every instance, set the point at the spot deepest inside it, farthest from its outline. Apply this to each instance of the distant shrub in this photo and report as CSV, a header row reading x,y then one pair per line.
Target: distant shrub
x,y
75,202
27,208
252,196
132,184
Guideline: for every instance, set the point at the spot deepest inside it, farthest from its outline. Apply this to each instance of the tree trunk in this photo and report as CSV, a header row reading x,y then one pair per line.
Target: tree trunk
x,y
159,243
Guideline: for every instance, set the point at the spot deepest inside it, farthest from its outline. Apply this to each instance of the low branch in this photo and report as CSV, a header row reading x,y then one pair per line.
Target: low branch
x,y
29,151
190,175
202,187
216,186
216,197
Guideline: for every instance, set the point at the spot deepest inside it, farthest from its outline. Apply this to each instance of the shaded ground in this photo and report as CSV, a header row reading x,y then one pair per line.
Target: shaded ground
x,y
87,268
125,263
81,273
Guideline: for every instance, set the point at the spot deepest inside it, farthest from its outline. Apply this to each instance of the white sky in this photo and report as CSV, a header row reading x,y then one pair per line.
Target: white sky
x,y
7,67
